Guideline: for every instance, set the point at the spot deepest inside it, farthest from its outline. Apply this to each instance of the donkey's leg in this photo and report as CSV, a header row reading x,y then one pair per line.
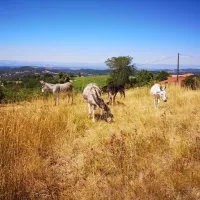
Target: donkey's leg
x,y
89,110
123,92
67,98
156,102
110,99
114,98
120,94
57,99
101,111
72,97
93,117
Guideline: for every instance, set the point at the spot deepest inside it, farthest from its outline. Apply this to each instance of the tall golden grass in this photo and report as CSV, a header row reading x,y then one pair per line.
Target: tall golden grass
x,y
56,152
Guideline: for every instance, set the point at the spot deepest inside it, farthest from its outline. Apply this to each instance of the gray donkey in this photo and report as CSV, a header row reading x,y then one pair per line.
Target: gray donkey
x,y
92,94
57,89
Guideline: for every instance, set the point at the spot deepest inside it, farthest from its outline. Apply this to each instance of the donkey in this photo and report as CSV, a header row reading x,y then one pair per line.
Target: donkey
x,y
112,89
157,91
57,89
92,94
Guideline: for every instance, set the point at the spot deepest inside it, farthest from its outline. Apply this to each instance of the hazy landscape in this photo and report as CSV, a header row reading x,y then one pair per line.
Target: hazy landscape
x,y
147,51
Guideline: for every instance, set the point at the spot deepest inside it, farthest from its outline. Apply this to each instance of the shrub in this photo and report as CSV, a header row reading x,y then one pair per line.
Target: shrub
x,y
144,77
190,83
2,95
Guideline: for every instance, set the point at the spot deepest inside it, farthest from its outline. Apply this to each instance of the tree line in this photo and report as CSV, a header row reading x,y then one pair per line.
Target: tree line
x,y
126,73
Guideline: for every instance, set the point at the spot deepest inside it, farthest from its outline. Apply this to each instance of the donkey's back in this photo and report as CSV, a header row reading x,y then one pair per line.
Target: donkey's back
x,y
91,93
65,87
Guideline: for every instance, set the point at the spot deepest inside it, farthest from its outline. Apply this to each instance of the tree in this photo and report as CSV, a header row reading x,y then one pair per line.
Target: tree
x,y
32,83
144,77
60,75
67,79
190,83
2,95
121,68
161,76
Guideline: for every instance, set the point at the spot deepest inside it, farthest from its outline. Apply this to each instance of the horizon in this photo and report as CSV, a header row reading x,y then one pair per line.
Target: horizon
x,y
97,66
91,32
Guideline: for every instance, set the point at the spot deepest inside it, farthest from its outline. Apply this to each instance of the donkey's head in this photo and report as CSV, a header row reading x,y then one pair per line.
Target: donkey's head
x,y
44,87
107,113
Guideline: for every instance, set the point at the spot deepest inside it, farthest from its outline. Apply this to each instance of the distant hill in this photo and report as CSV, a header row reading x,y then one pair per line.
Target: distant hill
x,y
12,64
162,67
10,72
181,71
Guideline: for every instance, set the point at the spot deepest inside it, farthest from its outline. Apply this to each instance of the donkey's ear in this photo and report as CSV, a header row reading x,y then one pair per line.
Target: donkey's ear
x,y
161,88
165,87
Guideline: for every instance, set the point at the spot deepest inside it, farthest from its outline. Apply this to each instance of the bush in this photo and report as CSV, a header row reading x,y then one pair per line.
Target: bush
x,y
2,95
132,81
16,93
144,77
190,83
161,76
109,80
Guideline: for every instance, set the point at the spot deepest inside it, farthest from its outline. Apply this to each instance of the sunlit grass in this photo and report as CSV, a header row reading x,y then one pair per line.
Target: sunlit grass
x,y
80,82
56,152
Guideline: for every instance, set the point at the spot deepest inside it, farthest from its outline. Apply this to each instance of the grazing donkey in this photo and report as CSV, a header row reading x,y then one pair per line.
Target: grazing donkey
x,y
57,89
92,94
112,89
158,92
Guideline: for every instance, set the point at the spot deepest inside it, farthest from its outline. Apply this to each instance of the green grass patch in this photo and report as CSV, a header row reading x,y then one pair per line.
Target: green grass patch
x,y
79,83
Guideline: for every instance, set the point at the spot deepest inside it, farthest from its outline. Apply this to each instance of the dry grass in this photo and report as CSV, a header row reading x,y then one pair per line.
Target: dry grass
x,y
49,152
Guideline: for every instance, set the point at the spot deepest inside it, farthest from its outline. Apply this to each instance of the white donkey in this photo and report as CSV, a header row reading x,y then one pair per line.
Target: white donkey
x,y
158,92
57,89
92,94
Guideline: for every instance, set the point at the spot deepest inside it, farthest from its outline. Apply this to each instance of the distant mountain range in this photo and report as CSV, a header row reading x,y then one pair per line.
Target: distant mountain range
x,y
96,66
164,67
15,73
61,65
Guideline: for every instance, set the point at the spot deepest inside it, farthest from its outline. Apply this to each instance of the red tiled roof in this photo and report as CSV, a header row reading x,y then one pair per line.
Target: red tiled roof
x,y
173,79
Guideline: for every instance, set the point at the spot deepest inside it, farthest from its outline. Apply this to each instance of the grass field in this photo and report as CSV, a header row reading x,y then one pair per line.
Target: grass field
x,y
56,152
80,82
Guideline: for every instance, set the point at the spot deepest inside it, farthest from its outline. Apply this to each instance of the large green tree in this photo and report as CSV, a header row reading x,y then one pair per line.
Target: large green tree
x,y
144,77
161,76
121,68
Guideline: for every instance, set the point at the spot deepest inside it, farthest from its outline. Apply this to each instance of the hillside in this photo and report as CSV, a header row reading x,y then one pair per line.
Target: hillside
x,y
56,152
16,73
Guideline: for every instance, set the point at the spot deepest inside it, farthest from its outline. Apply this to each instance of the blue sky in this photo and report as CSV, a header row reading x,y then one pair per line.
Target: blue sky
x,y
92,31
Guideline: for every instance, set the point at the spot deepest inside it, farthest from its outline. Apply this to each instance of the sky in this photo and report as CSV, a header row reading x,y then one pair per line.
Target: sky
x,y
92,31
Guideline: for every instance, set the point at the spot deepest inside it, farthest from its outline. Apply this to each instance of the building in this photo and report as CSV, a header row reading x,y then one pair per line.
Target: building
x,y
173,79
